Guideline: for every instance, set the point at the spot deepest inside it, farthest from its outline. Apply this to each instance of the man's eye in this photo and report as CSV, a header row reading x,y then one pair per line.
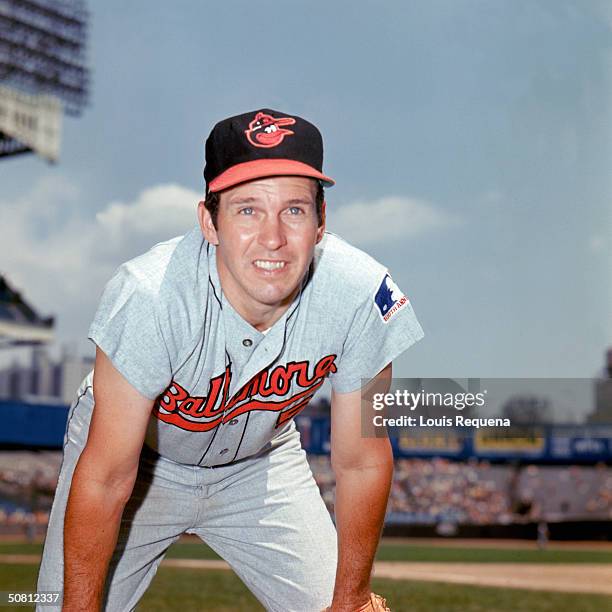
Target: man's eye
x,y
295,210
247,210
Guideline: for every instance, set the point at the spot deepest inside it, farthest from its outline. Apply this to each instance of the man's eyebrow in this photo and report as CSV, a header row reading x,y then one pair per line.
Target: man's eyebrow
x,y
242,200
300,201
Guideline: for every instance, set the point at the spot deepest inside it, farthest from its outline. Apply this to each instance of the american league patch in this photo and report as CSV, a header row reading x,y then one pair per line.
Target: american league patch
x,y
389,299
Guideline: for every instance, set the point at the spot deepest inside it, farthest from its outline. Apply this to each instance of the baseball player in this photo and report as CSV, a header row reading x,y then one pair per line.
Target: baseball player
x,y
207,347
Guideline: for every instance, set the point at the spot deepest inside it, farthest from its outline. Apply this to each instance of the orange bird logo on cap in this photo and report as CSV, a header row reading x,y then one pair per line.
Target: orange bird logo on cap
x,y
266,131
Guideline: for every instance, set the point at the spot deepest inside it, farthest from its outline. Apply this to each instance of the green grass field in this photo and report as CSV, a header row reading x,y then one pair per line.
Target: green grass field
x,y
389,551
189,590
217,590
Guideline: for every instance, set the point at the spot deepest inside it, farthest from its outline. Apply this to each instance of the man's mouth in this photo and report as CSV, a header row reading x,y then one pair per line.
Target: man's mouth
x,y
266,264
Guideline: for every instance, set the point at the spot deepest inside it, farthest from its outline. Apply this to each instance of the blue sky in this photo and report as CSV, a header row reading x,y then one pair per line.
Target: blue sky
x,y
471,143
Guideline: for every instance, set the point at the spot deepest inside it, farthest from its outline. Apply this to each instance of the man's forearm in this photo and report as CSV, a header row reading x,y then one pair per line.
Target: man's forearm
x,y
361,502
93,517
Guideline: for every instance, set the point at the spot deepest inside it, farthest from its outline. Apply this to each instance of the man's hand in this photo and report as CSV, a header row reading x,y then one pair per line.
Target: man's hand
x,y
376,603
101,485
364,468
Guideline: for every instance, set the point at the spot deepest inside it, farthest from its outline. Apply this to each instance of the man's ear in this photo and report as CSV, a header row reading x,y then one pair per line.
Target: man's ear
x,y
321,228
206,224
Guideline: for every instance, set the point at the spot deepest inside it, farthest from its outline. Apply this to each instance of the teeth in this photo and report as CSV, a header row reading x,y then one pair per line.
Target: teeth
x,y
269,265
270,129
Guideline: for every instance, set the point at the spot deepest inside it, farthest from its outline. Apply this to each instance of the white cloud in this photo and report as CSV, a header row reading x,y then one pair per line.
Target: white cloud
x,y
386,219
60,257
158,209
158,213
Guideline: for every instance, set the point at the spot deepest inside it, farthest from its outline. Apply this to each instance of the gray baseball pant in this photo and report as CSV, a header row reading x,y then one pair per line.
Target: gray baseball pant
x,y
263,515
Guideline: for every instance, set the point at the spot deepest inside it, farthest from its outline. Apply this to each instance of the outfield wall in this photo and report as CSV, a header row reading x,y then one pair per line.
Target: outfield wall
x,y
561,444
32,425
562,531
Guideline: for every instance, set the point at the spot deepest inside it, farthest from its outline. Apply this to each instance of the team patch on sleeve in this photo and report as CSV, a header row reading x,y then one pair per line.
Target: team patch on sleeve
x,y
389,299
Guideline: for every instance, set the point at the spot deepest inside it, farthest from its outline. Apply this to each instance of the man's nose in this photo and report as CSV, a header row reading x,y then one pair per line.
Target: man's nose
x,y
271,233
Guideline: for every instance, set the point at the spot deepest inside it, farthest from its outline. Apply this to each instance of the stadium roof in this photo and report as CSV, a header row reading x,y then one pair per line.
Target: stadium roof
x,y
20,324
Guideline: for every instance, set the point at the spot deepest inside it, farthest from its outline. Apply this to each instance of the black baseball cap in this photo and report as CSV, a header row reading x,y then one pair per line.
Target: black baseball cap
x,y
262,143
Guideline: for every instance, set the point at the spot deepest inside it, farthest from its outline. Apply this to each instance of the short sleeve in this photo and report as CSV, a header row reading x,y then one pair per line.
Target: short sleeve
x,y
384,326
126,328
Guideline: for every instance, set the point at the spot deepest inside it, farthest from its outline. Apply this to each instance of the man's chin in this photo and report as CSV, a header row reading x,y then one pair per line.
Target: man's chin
x,y
276,301
276,298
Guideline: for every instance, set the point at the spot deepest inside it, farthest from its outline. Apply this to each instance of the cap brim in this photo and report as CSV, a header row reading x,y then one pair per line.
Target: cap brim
x,y
261,168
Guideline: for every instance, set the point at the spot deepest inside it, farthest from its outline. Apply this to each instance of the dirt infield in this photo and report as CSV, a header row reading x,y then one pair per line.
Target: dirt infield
x,y
568,578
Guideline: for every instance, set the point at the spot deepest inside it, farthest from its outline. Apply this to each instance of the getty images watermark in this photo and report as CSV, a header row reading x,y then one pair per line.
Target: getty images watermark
x,y
508,406
428,401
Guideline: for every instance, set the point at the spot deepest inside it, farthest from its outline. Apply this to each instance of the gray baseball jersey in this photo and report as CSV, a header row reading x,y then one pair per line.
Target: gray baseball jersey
x,y
223,389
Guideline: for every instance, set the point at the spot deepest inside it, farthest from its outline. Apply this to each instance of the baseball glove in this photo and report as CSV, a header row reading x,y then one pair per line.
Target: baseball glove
x,y
376,604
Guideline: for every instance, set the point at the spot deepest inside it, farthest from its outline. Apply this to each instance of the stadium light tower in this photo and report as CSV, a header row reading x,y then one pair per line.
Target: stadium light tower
x,y
42,72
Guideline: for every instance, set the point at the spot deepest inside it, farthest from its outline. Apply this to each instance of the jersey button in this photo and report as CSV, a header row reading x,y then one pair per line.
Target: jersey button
x,y
225,450
233,421
247,342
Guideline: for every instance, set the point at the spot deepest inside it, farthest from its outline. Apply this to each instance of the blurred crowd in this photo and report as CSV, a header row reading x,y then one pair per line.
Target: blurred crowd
x,y
558,493
424,491
27,483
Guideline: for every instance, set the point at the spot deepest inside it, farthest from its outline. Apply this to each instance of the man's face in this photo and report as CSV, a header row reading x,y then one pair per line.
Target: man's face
x,y
265,236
